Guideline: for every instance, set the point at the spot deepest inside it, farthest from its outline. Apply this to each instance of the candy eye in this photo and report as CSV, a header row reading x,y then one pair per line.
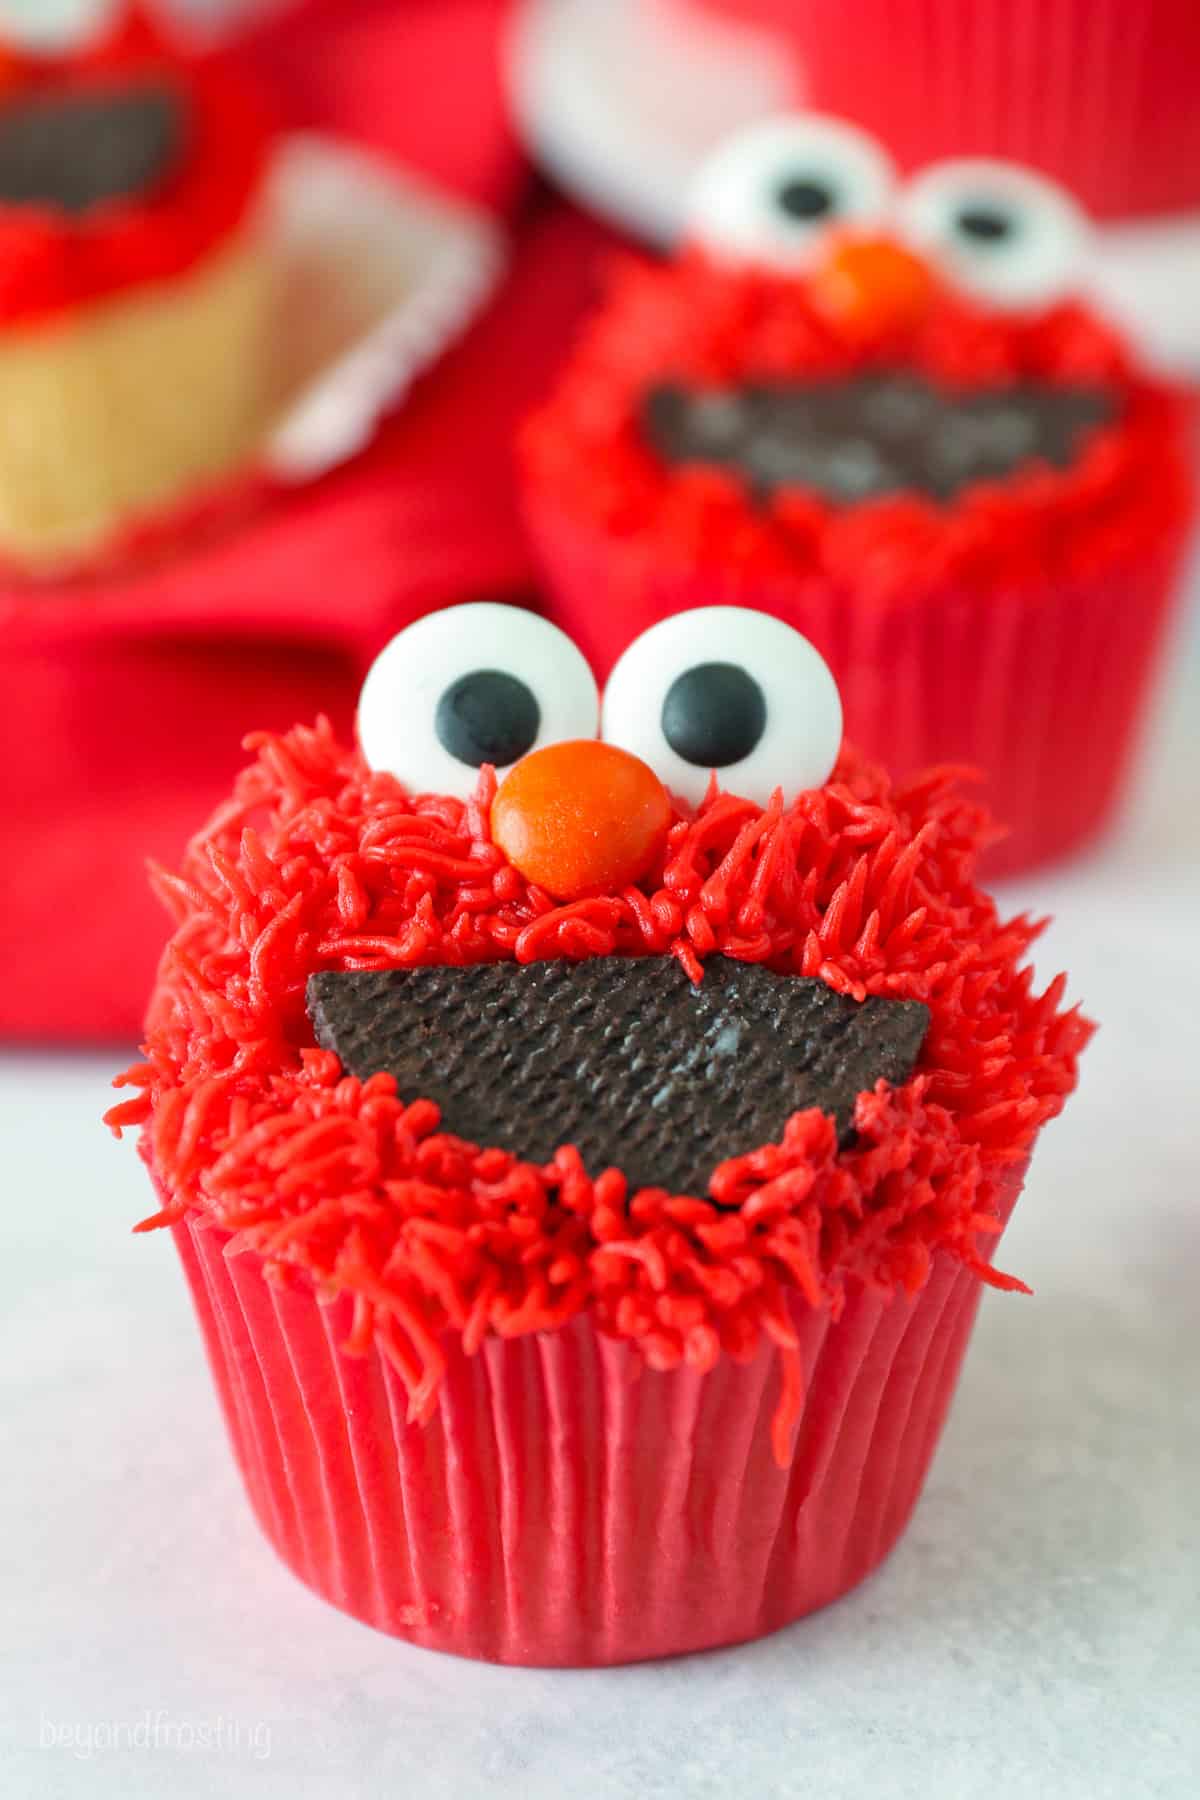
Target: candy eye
x,y
999,231
471,685
52,27
770,194
728,689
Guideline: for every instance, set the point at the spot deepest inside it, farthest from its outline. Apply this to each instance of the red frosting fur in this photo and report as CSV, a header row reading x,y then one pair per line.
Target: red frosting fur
x,y
52,261
315,863
694,320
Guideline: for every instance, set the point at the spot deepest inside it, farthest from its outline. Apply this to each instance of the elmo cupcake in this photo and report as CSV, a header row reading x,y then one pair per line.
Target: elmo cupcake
x,y
586,1151
882,415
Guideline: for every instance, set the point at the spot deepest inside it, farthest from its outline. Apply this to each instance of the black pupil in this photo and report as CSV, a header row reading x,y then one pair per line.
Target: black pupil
x,y
986,224
714,715
487,717
804,198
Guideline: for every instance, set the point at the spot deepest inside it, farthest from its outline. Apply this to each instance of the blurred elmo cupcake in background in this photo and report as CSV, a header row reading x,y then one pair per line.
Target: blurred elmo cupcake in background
x,y
586,1152
881,413
622,101
1098,94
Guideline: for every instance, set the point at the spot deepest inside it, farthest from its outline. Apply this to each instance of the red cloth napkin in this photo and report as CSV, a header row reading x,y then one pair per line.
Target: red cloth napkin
x,y
419,80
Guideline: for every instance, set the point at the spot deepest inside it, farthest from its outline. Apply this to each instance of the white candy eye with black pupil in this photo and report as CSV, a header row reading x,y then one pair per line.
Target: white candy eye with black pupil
x,y
474,684
52,27
729,690
770,194
998,231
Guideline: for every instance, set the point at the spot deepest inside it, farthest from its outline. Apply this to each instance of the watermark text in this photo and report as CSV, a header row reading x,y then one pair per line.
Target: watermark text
x,y
151,1731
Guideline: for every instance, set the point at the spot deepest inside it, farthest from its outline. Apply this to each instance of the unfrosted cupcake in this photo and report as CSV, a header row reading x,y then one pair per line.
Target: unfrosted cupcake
x,y
586,1153
885,416
135,286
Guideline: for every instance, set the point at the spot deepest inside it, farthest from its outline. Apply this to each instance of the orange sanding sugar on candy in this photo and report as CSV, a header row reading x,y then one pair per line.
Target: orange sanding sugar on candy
x,y
315,863
581,818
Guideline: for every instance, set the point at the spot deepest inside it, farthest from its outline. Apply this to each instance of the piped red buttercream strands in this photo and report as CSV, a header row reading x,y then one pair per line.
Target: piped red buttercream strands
x,y
712,325
315,863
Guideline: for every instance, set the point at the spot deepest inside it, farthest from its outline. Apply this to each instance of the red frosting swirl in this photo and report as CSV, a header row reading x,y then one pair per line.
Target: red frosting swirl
x,y
696,321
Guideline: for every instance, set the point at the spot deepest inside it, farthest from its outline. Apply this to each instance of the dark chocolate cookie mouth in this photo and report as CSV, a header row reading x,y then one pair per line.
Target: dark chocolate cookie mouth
x,y
880,434
623,1057
76,151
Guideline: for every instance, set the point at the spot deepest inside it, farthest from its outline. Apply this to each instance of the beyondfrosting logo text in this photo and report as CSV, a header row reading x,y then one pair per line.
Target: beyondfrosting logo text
x,y
220,1736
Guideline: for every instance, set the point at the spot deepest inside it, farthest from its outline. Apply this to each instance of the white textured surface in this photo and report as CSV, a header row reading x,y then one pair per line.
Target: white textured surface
x,y
1036,1635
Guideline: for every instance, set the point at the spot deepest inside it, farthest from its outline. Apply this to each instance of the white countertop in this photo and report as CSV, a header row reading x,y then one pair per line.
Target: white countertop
x,y
1036,1634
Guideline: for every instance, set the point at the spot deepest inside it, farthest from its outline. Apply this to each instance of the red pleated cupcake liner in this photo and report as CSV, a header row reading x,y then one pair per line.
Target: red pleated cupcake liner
x,y
1043,689
1098,93
565,1505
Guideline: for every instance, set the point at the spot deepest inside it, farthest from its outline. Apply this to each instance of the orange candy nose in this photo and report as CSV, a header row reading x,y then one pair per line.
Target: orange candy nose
x,y
581,818
873,285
